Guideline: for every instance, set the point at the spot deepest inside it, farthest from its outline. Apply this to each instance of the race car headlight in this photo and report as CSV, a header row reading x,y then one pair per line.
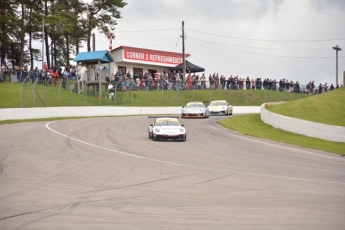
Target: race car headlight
x,y
223,107
181,130
157,130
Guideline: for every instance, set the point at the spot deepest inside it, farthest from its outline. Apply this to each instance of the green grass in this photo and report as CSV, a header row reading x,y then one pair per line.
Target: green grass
x,y
327,108
252,125
53,96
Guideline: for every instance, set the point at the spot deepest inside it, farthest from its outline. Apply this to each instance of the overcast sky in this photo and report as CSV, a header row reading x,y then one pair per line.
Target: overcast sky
x,y
278,39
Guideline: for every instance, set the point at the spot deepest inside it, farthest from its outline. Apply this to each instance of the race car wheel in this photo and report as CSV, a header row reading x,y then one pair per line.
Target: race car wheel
x,y
153,138
150,135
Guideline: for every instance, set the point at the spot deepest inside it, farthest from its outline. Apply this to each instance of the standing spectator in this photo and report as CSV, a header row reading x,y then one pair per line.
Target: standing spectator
x,y
145,79
312,86
216,79
296,88
287,86
178,81
82,70
326,87
157,79
58,67
247,82
34,75
129,75
308,87
331,87
320,88
198,82
64,80
9,66
4,62
203,81
73,72
45,66
189,81
67,71
4,70
258,83
265,83
253,83
241,83
222,81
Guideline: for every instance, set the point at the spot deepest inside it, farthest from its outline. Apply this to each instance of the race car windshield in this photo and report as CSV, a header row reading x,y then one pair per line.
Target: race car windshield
x,y
195,105
218,103
167,123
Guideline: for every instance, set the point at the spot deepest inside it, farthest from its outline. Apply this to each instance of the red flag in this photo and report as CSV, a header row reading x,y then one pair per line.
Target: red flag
x,y
110,41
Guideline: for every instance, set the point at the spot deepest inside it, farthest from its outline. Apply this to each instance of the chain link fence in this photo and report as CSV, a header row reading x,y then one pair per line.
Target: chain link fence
x,y
43,91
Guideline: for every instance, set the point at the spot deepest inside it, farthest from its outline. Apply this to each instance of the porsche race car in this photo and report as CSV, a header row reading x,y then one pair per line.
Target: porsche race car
x,y
166,128
220,107
195,109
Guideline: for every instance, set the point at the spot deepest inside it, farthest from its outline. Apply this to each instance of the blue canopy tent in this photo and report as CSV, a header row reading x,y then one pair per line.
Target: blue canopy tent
x,y
95,58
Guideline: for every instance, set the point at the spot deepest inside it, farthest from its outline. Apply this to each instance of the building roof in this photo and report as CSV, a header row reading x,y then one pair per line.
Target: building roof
x,y
149,50
94,57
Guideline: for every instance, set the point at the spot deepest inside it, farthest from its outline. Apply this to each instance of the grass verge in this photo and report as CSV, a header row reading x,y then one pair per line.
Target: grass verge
x,y
252,125
327,108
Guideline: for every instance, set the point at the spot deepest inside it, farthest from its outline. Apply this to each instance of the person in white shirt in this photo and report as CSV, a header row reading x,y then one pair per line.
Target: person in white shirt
x,y
82,72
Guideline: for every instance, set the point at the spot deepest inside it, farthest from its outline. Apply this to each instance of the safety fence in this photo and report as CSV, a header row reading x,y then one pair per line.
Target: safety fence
x,y
44,92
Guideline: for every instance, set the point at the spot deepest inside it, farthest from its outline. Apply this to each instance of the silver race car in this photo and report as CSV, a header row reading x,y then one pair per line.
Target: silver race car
x,y
166,128
195,109
220,107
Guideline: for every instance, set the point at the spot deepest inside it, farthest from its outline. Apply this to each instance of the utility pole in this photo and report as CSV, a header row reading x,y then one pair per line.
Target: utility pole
x,y
93,42
336,48
183,55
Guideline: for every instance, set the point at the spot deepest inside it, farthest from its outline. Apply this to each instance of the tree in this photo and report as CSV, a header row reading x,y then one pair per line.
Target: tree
x,y
102,14
8,26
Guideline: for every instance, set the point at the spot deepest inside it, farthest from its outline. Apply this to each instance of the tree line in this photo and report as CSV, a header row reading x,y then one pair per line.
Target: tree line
x,y
68,25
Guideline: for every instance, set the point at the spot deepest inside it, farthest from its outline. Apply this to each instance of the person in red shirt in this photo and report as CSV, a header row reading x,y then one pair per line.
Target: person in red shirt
x,y
190,81
157,80
45,66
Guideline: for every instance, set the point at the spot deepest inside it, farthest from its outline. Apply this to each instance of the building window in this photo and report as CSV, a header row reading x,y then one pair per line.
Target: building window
x,y
138,72
122,70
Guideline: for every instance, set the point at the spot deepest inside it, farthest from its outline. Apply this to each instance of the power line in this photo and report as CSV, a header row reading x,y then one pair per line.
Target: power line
x,y
271,55
262,40
253,47
142,31
163,43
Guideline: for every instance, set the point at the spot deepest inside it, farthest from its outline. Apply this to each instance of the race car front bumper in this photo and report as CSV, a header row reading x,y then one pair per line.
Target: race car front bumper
x,y
169,137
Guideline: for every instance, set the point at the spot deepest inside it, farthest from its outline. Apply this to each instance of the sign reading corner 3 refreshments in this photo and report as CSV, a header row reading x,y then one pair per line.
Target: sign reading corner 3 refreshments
x,y
153,56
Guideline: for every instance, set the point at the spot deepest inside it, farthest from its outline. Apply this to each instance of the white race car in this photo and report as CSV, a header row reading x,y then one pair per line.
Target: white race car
x,y
220,107
166,128
195,109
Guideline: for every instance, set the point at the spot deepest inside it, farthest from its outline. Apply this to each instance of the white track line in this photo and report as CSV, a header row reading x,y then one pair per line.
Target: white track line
x,y
184,165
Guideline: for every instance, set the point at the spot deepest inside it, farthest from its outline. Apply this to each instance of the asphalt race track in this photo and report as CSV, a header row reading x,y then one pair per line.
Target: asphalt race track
x,y
105,173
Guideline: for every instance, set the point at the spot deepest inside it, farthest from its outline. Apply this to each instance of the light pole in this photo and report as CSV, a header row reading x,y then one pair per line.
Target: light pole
x,y
336,48
183,55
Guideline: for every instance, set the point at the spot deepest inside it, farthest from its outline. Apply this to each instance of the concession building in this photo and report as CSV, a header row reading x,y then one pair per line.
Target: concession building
x,y
139,60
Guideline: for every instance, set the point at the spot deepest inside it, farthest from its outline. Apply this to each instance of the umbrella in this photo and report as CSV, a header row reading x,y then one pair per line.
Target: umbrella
x,y
190,68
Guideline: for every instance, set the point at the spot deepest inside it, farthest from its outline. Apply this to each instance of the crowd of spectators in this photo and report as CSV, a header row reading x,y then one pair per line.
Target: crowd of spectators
x,y
174,80
167,80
